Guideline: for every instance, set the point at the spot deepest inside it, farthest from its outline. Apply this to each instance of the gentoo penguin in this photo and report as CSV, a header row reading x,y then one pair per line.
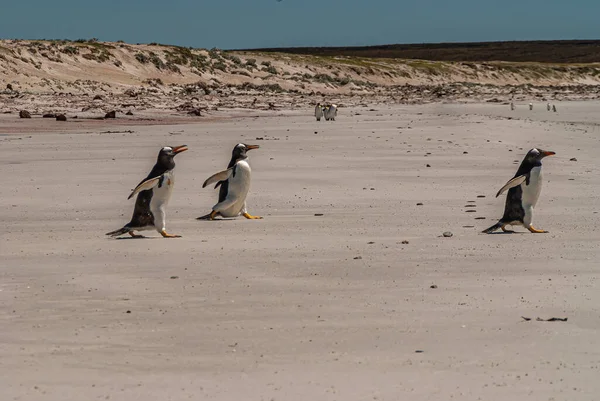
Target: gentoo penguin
x,y
318,111
548,106
154,193
554,108
530,106
512,106
235,184
523,192
330,112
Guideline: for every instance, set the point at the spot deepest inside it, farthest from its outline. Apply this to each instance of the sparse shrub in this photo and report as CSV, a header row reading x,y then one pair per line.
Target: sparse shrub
x,y
173,67
219,65
199,61
153,81
118,63
141,57
214,53
324,78
270,69
103,56
235,60
251,62
179,55
199,86
157,61
70,50
263,88
241,72
266,63
272,87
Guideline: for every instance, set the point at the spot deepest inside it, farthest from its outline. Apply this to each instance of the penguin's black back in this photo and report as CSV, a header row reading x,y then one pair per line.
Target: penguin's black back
x,y
235,157
513,208
142,215
223,190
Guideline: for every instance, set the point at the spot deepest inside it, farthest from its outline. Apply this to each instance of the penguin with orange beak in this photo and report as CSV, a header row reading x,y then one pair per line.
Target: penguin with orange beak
x,y
153,195
234,183
523,193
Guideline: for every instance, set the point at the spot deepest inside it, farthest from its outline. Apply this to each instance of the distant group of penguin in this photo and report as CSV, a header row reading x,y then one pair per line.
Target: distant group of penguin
x,y
154,191
548,106
327,111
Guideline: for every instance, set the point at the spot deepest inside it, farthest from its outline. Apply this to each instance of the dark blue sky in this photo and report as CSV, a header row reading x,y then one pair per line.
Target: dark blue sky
x,y
268,23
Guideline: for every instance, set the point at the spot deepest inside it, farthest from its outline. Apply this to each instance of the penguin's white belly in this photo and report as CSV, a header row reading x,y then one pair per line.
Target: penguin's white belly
x,y
531,192
318,112
237,190
161,194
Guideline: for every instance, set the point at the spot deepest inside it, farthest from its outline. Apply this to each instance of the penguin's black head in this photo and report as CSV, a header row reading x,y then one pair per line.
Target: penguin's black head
x,y
166,154
239,151
535,156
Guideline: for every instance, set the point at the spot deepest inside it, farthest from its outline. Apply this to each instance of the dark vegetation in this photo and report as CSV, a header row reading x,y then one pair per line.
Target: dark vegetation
x,y
558,51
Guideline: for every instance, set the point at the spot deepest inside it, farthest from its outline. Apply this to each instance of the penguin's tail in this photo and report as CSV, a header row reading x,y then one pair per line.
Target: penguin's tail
x,y
118,232
493,228
205,217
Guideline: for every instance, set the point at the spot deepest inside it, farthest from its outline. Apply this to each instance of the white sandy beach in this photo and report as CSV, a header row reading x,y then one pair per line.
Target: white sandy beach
x,y
299,306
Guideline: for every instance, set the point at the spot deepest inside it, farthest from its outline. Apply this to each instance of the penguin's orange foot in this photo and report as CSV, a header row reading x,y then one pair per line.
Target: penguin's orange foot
x,y
165,235
535,230
505,230
134,235
249,216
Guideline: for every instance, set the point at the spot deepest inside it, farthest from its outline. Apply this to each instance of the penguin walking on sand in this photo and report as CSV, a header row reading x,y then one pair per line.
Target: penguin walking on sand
x,y
235,184
554,108
523,192
318,111
548,106
330,112
530,106
153,195
512,106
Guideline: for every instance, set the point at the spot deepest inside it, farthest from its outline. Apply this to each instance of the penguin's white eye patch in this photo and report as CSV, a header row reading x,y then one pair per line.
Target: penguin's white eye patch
x,y
240,145
535,151
167,148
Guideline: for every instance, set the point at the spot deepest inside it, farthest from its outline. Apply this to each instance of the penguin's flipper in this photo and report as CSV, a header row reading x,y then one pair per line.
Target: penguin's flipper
x,y
220,176
145,185
512,183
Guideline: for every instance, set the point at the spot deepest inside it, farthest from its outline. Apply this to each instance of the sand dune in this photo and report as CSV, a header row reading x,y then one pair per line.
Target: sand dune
x,y
93,67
